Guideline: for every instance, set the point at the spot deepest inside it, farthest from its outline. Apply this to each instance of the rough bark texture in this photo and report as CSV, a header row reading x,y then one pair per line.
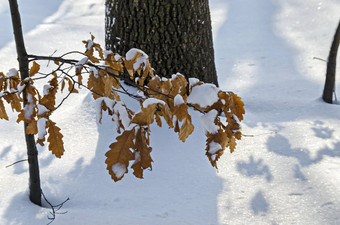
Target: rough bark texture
x,y
331,68
32,153
176,34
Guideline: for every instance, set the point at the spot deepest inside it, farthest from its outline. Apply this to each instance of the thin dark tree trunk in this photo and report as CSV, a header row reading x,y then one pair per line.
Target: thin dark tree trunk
x,y
176,34
32,153
331,68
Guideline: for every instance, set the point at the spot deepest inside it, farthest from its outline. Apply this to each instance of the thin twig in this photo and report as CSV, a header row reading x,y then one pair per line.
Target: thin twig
x,y
255,135
23,160
54,208
320,59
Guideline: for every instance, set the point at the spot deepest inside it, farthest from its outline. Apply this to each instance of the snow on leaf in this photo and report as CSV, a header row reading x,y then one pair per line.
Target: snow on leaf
x,y
50,93
150,101
41,125
214,142
12,73
42,110
178,100
203,95
208,122
119,169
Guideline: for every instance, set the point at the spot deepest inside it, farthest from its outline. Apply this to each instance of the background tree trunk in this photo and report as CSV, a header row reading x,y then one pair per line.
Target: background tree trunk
x,y
32,153
176,34
331,68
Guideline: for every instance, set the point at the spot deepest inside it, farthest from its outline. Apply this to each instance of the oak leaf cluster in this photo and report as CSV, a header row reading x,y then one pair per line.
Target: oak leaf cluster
x,y
162,100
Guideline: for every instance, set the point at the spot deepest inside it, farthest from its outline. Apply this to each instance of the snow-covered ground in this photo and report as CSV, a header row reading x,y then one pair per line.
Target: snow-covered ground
x,y
286,171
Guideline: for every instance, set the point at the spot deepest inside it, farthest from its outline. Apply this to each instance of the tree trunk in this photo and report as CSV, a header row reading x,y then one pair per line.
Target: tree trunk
x,y
331,68
32,153
176,34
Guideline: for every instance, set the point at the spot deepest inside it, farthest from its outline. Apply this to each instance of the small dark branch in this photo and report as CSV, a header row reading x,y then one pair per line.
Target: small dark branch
x,y
54,208
320,59
256,135
72,52
68,94
48,63
44,75
60,59
23,160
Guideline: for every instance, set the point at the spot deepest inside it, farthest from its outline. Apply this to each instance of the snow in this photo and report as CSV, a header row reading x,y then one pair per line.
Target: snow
x,y
132,52
89,45
106,53
120,110
41,123
46,89
81,62
141,60
208,123
20,87
151,101
214,147
12,72
178,100
42,109
209,97
29,107
94,71
118,169
284,171
193,81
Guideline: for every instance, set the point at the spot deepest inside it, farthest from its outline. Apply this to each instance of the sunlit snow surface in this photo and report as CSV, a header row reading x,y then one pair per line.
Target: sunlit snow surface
x,y
285,171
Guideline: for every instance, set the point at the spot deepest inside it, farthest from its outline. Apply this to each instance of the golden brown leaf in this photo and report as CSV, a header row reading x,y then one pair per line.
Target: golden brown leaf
x,y
3,83
49,100
3,114
55,139
186,129
158,119
32,127
63,84
167,114
181,111
179,85
143,159
216,143
176,129
232,144
146,116
14,100
119,155
34,69
236,106
95,84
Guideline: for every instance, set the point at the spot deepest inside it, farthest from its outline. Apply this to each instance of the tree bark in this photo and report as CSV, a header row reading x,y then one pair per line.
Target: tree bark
x,y
331,68
176,34
32,153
